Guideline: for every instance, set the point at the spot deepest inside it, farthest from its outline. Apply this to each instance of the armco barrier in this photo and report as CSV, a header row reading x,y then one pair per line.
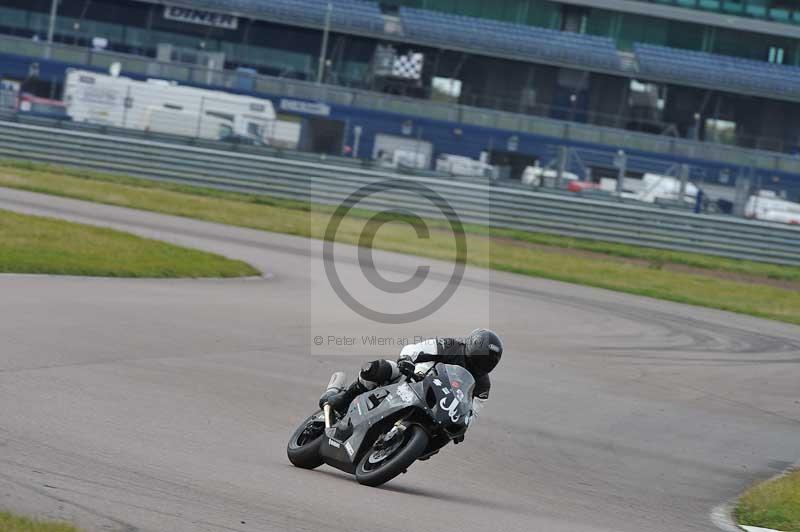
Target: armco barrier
x,y
475,203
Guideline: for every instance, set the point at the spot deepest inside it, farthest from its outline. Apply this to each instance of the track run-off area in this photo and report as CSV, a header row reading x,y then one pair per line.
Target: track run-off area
x,y
166,405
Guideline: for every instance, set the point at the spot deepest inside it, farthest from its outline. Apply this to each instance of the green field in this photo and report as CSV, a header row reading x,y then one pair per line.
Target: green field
x,y
741,286
774,504
31,244
14,523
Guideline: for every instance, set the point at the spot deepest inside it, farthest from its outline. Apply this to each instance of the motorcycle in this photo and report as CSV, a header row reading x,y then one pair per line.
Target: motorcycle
x,y
387,429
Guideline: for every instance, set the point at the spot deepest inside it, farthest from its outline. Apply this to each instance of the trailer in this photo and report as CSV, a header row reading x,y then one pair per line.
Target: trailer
x,y
167,107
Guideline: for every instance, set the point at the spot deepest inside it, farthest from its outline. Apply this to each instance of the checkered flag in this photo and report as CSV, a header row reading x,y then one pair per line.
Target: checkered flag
x,y
408,66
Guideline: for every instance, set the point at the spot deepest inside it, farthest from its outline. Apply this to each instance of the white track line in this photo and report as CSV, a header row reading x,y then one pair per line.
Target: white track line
x,y
721,516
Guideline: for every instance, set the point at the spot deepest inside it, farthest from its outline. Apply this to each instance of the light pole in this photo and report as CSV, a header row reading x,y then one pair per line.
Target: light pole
x,y
324,48
51,28
697,126
573,100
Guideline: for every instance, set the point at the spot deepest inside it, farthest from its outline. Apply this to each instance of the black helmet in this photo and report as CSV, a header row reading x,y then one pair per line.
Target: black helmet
x,y
483,350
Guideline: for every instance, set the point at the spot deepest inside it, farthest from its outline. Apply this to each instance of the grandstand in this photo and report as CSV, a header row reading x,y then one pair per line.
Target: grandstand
x,y
707,71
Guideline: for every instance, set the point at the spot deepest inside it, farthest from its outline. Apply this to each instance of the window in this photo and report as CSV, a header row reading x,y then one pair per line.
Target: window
x,y
733,6
775,55
574,19
757,8
222,116
225,131
445,89
255,129
721,131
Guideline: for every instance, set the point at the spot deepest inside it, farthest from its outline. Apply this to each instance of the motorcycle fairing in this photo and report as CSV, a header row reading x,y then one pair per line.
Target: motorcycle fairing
x,y
445,395
343,441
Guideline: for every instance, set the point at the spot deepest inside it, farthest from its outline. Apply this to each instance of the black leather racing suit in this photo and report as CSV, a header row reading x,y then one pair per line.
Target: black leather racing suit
x,y
445,350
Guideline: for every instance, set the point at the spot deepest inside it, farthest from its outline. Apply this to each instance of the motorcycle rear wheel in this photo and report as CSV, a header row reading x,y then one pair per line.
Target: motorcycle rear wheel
x,y
370,472
304,445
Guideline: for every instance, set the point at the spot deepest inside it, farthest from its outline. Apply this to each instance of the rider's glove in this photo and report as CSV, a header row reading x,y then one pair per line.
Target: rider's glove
x,y
406,366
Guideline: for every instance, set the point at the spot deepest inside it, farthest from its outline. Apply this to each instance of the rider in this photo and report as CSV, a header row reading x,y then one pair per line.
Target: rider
x,y
479,353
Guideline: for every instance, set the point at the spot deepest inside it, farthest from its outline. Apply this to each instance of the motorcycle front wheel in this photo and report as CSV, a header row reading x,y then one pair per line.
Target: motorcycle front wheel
x,y
385,460
303,448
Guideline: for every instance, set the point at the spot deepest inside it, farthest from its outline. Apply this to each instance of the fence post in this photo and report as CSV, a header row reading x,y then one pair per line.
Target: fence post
x,y
126,105
200,117
562,164
742,192
357,131
621,162
684,178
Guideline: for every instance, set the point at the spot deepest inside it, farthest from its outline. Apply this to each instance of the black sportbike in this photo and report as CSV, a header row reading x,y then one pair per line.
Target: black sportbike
x,y
387,429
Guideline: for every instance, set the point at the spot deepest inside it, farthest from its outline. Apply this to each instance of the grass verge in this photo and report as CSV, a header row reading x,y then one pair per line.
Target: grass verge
x,y
774,504
712,281
31,244
15,523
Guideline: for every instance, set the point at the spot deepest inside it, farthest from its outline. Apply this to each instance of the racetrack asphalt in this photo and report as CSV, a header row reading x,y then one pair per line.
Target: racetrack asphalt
x,y
165,405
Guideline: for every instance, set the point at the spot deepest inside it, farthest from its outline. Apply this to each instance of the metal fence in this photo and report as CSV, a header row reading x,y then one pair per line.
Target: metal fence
x,y
550,213
281,87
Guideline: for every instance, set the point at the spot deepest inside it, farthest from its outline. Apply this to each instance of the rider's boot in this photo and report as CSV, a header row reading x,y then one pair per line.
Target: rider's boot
x,y
341,401
372,374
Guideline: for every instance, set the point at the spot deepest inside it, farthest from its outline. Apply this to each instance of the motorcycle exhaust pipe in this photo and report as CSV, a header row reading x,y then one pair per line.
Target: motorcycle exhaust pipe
x,y
327,412
335,386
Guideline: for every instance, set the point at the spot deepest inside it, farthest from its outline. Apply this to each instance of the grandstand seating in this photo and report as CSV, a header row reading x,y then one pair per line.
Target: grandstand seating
x,y
522,41
508,38
718,70
435,27
505,38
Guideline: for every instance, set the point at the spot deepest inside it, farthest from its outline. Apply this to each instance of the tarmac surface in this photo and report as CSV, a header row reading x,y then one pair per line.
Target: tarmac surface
x,y
166,405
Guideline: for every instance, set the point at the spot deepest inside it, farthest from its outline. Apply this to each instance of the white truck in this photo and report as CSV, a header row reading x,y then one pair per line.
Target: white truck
x,y
537,176
464,166
166,107
767,206
663,187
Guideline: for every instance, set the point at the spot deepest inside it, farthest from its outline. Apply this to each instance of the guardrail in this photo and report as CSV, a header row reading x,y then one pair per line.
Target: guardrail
x,y
324,182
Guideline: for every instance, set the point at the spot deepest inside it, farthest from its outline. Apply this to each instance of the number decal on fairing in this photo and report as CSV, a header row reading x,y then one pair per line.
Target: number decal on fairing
x,y
454,417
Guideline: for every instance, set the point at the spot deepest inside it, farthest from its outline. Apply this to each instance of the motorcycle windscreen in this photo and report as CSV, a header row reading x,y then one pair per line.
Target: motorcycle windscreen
x,y
462,383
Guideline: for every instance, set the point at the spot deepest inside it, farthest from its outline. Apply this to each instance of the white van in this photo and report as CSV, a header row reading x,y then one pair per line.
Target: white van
x,y
767,207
